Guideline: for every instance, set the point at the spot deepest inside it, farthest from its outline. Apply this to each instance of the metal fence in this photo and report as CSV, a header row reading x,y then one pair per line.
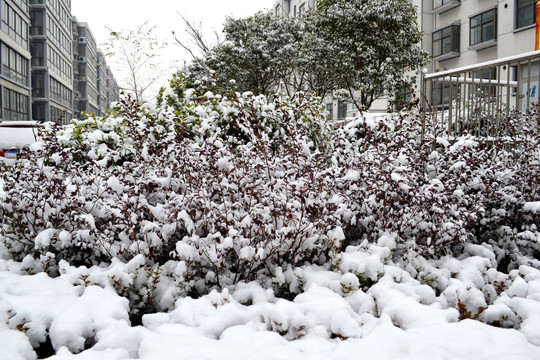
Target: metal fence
x,y
478,99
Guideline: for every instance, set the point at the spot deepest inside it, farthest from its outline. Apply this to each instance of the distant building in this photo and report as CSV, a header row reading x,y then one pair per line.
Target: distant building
x,y
459,33
113,91
94,84
85,61
15,91
51,68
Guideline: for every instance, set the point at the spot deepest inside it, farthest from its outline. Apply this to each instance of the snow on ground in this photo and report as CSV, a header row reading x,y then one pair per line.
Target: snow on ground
x,y
398,317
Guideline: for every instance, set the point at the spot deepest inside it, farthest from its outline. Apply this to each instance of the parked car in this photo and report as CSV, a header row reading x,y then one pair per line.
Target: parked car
x,y
14,136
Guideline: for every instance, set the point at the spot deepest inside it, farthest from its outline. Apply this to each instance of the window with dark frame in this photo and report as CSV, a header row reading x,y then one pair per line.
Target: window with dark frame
x,y
439,3
14,65
443,93
15,105
403,96
525,13
483,27
446,41
330,110
301,10
342,109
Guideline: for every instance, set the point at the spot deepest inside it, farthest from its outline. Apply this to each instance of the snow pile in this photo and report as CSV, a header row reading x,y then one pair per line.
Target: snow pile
x,y
335,316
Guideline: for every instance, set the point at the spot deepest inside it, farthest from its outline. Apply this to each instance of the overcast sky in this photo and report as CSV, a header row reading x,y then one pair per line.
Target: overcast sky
x,y
127,14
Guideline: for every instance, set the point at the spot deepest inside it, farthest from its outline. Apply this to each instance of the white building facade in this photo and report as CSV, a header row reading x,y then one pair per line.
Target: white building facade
x,y
460,33
457,33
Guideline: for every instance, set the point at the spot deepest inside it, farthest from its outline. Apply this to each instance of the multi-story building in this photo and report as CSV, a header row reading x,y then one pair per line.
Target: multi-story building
x,y
468,33
86,73
52,71
113,91
93,81
102,83
15,91
459,34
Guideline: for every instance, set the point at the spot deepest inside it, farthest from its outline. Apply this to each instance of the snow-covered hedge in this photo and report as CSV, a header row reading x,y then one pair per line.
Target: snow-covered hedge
x,y
204,191
228,188
435,194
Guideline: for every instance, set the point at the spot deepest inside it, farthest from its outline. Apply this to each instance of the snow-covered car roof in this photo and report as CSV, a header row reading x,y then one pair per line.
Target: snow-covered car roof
x,y
18,134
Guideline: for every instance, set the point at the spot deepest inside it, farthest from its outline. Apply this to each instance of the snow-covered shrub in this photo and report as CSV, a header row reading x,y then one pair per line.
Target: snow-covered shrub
x,y
432,194
394,189
232,187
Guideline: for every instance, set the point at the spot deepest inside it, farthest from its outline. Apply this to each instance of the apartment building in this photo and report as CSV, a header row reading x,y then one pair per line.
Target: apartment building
x,y
459,33
113,91
15,90
85,61
51,68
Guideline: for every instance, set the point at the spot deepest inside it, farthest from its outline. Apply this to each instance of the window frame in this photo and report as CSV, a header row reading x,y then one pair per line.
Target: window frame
x,y
480,26
445,5
454,36
342,109
519,8
301,10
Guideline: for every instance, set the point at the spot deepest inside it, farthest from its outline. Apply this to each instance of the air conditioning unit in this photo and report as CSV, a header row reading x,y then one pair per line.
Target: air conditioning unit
x,y
82,40
82,58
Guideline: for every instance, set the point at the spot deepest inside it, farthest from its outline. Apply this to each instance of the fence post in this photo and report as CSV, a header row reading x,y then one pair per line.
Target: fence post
x,y
423,97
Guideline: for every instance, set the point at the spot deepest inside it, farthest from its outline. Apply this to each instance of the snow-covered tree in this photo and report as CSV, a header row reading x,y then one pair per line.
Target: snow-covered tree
x,y
135,52
374,42
259,52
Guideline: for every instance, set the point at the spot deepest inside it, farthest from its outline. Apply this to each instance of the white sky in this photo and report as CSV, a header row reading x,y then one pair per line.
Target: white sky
x,y
127,14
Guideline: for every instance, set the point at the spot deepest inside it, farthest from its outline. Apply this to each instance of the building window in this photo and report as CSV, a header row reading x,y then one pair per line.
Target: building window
x,y
330,110
446,42
301,10
14,66
404,97
443,93
342,109
59,115
294,10
15,105
525,13
14,25
22,4
443,5
486,80
36,49
36,23
59,93
38,111
278,10
38,85
482,27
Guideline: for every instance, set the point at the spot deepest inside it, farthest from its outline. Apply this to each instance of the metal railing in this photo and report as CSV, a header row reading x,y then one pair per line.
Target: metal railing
x,y
478,99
